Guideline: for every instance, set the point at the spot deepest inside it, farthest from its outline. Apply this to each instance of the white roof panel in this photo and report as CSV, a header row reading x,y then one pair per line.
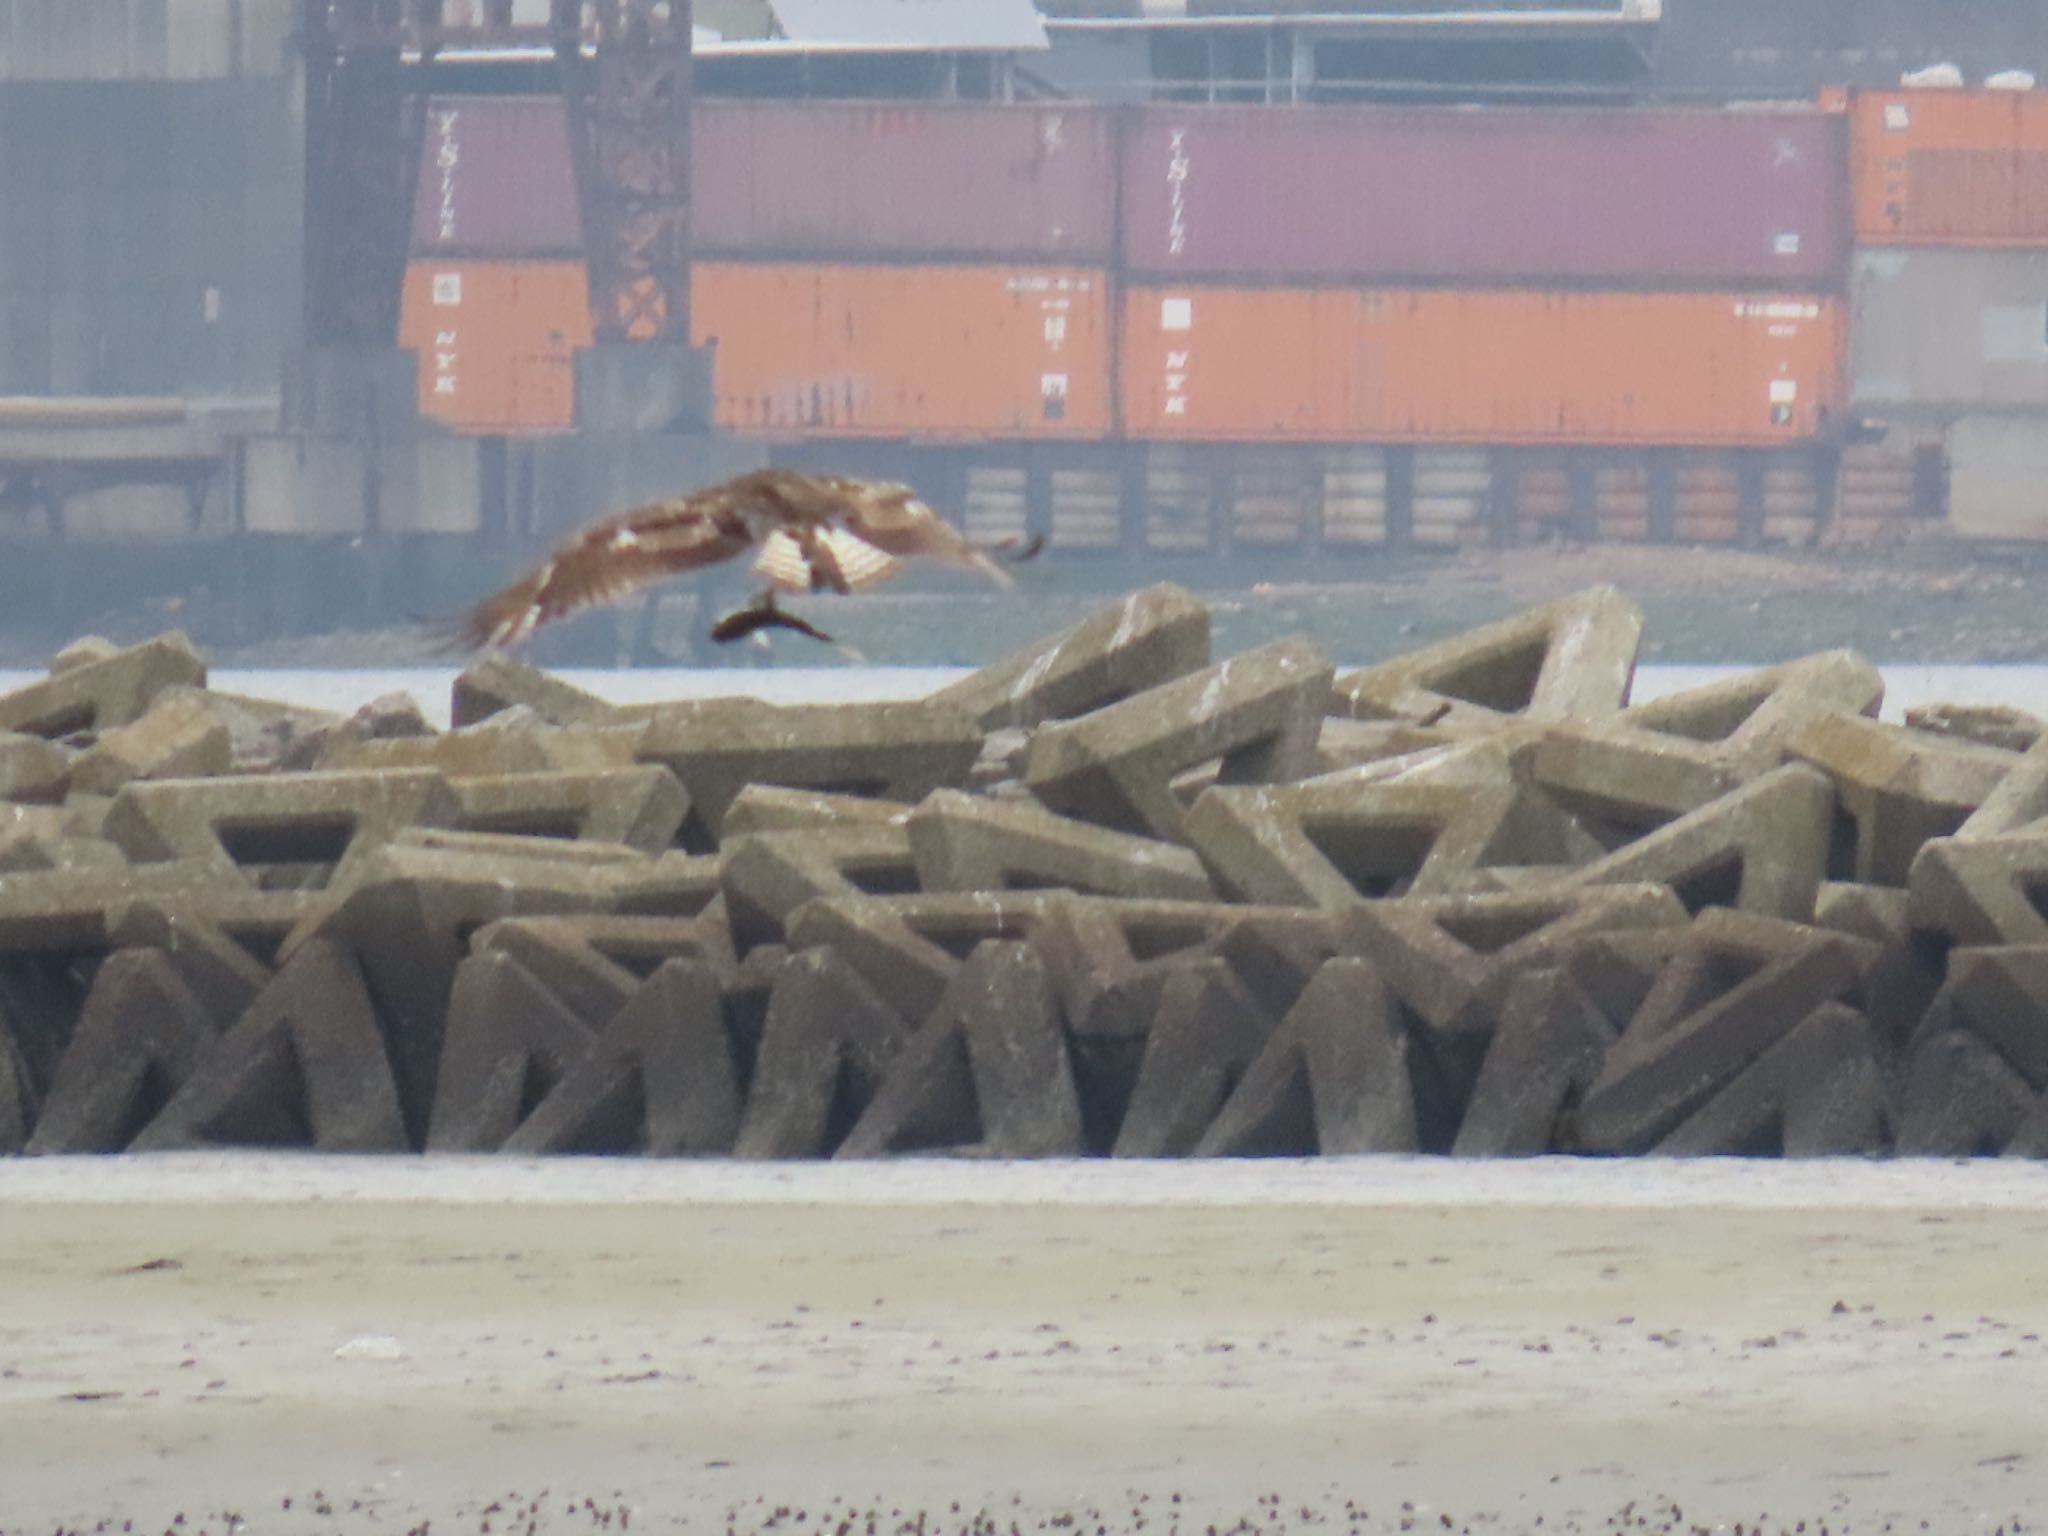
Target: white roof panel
x,y
956,25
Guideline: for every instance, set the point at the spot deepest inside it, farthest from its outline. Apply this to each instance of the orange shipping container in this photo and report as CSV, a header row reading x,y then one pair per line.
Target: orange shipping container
x,y
980,351
1950,167
1477,366
497,342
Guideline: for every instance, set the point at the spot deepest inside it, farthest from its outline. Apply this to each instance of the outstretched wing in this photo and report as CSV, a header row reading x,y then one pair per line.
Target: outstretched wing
x,y
611,558
893,520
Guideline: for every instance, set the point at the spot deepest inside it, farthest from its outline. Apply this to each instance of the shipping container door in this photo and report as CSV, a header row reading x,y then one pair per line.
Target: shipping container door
x,y
1936,165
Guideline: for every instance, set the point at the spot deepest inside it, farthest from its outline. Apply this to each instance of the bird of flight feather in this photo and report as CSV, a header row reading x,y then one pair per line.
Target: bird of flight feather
x,y
808,532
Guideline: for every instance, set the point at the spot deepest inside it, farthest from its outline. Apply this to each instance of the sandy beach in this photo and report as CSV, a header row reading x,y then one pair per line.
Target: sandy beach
x,y
212,1344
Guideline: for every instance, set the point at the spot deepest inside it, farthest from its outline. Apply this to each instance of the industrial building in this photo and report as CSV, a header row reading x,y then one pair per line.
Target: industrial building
x,y
311,296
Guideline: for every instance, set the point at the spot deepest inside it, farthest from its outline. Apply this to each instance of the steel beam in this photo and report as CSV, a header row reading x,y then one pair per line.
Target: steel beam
x,y
366,68
628,107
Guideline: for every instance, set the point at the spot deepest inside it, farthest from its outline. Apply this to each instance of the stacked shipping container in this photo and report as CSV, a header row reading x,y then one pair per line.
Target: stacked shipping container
x,y
1374,299
932,272
1418,365
1950,324
1432,276
868,271
496,301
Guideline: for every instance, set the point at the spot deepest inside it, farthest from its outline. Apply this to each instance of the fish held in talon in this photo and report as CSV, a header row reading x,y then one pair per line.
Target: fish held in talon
x,y
1016,550
763,613
807,532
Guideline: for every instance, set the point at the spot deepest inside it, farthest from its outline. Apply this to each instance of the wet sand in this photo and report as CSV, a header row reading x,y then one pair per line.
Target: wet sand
x,y
304,1344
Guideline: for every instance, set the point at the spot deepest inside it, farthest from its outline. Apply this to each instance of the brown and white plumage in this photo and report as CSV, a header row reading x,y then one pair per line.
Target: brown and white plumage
x,y
811,533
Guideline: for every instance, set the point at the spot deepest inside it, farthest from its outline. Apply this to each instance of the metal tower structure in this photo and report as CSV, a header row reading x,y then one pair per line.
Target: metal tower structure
x,y
624,68
366,62
625,73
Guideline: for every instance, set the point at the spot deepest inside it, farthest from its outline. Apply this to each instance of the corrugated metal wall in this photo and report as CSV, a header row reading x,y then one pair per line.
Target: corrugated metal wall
x,y
149,236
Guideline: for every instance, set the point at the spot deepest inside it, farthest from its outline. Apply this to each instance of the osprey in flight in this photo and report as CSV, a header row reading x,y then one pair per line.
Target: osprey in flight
x,y
811,533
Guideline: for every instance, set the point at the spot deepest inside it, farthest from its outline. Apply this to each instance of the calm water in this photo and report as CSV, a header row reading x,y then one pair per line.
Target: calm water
x,y
1906,686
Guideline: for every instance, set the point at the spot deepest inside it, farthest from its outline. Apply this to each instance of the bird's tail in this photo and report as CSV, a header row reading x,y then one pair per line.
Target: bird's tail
x,y
980,560
990,559
444,634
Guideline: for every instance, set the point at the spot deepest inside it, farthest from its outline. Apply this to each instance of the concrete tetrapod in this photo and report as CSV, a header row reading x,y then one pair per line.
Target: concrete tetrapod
x,y
1110,896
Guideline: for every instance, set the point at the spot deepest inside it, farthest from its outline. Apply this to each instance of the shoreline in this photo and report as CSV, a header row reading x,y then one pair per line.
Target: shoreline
x,y
254,1179
1515,1348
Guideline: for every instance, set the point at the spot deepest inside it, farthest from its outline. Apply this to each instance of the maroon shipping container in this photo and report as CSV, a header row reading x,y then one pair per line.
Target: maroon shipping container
x,y
851,180
1632,196
495,179
840,181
